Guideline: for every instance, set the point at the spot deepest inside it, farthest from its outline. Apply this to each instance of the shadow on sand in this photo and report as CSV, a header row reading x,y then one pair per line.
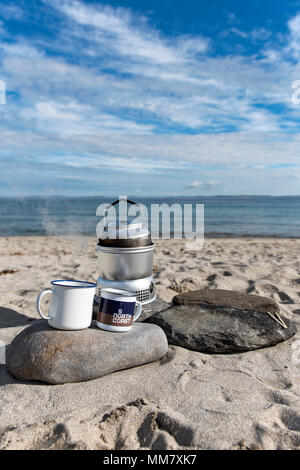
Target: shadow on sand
x,y
10,318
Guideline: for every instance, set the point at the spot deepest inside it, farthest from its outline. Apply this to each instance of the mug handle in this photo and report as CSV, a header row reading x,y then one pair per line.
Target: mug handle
x,y
138,312
38,303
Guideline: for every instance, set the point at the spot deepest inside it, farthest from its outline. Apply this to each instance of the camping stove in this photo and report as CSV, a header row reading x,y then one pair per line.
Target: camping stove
x,y
144,288
125,253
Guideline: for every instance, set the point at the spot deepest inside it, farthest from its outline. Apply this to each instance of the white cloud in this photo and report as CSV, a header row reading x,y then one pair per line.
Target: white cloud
x,y
227,151
117,93
159,164
49,110
19,49
119,31
12,12
260,34
294,27
238,32
190,45
203,184
2,29
72,118
166,83
232,18
257,34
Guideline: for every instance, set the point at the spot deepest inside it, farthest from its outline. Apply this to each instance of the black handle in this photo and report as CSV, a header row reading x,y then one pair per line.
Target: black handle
x,y
118,201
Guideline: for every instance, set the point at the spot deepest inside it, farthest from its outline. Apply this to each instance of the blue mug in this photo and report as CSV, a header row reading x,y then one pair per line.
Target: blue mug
x,y
118,309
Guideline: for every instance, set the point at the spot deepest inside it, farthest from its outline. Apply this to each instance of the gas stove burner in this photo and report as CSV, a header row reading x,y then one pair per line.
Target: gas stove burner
x,y
144,287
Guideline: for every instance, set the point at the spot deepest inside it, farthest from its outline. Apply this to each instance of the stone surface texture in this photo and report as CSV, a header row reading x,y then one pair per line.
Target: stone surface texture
x,y
42,353
222,321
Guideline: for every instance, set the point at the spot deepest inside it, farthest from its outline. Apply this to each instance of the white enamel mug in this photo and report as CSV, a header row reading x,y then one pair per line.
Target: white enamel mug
x,y
71,306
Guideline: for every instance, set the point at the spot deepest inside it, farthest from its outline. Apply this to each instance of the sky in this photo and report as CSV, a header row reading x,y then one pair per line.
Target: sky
x,y
149,97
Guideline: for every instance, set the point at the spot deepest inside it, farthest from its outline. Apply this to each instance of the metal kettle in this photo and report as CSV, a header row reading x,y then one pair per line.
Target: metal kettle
x,y
131,233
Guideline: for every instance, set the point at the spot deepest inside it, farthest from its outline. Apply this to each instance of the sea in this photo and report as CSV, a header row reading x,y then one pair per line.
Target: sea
x,y
224,216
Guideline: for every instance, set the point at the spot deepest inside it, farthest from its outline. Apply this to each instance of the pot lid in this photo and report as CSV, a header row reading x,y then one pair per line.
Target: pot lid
x,y
130,229
122,229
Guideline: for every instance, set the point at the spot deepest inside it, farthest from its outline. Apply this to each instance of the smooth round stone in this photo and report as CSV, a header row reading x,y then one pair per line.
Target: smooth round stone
x,y
42,353
222,321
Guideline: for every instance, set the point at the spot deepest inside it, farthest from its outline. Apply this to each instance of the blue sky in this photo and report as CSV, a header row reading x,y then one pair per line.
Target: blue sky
x,y
149,97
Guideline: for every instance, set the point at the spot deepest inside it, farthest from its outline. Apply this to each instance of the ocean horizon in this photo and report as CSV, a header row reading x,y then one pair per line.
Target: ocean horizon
x,y
224,216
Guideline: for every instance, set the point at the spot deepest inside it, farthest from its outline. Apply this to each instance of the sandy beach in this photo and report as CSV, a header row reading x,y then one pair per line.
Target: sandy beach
x,y
186,400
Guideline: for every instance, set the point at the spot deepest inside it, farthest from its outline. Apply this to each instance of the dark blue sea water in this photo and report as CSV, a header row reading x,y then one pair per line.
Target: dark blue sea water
x,y
225,216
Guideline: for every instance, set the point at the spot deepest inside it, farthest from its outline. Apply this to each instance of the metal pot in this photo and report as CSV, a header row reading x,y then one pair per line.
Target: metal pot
x,y
122,264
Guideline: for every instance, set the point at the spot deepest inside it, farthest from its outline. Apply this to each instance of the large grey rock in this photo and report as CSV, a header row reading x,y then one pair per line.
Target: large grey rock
x,y
221,321
41,353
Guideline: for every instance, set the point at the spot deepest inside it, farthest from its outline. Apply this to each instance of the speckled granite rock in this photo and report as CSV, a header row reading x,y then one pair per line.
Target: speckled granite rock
x,y
221,321
41,353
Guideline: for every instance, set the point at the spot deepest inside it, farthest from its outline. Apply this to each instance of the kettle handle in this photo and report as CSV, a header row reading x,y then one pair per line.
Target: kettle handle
x,y
105,213
118,201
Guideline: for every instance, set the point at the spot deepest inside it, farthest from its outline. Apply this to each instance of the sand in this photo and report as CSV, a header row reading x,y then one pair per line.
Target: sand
x,y
188,400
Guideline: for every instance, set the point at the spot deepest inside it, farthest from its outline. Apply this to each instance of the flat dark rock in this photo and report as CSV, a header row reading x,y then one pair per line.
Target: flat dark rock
x,y
222,321
42,353
158,305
